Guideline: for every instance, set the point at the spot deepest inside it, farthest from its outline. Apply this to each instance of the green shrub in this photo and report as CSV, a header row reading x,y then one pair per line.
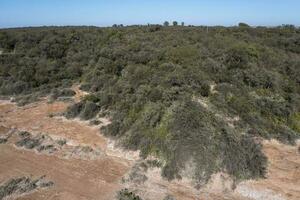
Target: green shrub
x,y
205,90
85,110
242,157
56,93
243,25
92,98
125,194
241,55
19,186
74,110
295,122
169,197
3,140
29,143
26,99
89,110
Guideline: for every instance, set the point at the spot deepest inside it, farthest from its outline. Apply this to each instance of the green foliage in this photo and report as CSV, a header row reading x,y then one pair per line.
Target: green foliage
x,y
295,122
61,93
74,110
243,25
151,80
242,156
85,110
125,194
92,98
22,185
27,99
169,197
89,111
205,90
166,23
241,56
182,53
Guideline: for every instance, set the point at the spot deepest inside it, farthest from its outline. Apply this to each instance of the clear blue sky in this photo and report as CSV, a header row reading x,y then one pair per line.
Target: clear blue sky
x,y
16,13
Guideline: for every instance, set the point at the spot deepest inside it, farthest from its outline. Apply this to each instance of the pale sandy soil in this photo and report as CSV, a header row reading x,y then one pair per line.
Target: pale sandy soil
x,y
101,178
283,178
73,178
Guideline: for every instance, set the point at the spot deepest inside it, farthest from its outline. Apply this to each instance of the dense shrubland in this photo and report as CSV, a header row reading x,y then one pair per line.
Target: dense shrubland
x,y
149,81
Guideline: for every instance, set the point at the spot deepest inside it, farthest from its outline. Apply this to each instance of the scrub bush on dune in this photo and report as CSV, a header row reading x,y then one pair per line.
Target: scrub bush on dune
x,y
155,84
125,194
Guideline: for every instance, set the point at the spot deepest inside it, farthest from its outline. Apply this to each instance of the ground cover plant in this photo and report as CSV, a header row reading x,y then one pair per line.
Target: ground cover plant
x,y
125,194
21,185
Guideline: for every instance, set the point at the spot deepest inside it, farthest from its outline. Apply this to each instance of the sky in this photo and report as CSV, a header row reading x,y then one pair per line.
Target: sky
x,y
23,13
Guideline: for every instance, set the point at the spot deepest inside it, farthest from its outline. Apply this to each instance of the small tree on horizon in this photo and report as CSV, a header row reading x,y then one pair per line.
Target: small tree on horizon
x,y
175,23
242,24
166,23
182,23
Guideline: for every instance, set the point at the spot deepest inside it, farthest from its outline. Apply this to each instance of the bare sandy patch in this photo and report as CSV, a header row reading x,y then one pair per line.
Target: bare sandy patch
x,y
283,177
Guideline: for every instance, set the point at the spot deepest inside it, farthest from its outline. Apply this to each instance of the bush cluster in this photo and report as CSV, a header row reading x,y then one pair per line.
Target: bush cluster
x,y
125,194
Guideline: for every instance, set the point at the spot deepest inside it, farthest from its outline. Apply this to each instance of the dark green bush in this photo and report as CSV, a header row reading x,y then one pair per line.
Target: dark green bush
x,y
3,140
241,55
91,98
89,111
125,194
205,90
85,110
169,197
74,110
242,156
56,93
29,143
19,186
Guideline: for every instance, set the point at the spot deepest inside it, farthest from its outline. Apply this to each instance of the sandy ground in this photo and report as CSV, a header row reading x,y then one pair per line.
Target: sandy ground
x,y
101,178
73,178
35,118
283,178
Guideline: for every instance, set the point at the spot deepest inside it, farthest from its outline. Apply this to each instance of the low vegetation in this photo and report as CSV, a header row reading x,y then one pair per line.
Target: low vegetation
x,y
125,194
151,80
3,140
22,185
62,94
40,142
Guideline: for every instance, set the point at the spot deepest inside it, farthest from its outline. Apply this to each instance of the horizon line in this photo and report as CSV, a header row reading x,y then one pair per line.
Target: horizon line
x,y
120,25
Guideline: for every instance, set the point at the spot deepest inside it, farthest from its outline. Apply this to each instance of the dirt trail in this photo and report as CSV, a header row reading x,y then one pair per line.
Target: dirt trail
x,y
101,178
